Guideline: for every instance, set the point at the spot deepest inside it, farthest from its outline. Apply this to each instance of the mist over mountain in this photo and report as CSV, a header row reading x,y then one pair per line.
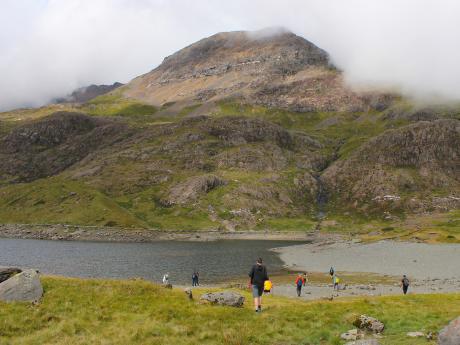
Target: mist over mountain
x,y
407,47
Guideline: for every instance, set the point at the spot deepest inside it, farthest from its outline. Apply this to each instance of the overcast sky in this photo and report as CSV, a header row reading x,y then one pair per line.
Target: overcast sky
x,y
50,47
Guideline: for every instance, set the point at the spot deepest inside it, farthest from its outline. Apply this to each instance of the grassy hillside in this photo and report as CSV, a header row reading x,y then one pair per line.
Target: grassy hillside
x,y
77,311
270,160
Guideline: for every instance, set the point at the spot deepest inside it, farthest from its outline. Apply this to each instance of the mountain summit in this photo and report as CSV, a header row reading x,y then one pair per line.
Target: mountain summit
x,y
270,67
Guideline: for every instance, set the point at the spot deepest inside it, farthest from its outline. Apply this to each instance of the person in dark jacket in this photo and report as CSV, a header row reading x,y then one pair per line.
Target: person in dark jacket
x,y
258,275
405,284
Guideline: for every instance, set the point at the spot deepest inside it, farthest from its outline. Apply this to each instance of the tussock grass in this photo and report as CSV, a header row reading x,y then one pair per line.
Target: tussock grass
x,y
75,311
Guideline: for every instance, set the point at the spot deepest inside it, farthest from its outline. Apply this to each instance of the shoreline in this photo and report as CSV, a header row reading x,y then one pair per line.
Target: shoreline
x,y
60,232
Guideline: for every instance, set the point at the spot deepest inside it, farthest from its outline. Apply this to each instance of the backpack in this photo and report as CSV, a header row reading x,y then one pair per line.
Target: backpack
x,y
299,282
405,281
331,271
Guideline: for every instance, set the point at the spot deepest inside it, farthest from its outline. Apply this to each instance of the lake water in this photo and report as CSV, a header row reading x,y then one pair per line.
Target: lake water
x,y
216,261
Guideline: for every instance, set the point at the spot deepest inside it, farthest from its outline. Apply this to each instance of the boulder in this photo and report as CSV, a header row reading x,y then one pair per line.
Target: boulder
x,y
369,323
228,298
24,286
450,335
7,273
364,342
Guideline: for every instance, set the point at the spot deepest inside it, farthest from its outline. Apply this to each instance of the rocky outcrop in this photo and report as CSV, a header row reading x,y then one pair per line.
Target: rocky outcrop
x,y
450,335
190,189
242,130
24,286
50,145
410,160
227,298
369,323
87,93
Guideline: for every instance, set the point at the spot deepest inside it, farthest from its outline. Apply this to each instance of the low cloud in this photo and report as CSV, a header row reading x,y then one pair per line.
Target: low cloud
x,y
51,47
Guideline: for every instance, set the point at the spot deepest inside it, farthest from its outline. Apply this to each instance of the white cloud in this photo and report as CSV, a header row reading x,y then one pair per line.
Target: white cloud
x,y
52,47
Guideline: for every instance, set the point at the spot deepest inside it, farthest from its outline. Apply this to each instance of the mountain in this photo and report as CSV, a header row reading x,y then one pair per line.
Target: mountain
x,y
274,69
241,130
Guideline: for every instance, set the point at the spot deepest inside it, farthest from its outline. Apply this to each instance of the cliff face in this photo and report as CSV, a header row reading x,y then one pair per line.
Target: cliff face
x,y
402,169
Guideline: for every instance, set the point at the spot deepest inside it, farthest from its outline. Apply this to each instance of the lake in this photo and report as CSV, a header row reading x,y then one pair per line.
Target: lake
x,y
216,261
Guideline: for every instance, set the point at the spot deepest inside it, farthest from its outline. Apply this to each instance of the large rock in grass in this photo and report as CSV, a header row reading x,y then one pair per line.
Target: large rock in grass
x,y
228,298
24,286
369,323
450,335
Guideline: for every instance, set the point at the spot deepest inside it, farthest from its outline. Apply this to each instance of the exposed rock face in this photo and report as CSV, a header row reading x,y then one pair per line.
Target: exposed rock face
x,y
24,286
190,189
7,273
450,335
228,298
415,158
48,146
273,68
85,94
369,323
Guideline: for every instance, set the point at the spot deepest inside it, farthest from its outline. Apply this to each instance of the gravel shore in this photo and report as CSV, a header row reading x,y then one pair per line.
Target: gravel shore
x,y
417,260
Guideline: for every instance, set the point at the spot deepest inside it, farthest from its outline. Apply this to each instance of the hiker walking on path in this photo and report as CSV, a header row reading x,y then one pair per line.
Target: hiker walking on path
x,y
405,284
258,275
299,282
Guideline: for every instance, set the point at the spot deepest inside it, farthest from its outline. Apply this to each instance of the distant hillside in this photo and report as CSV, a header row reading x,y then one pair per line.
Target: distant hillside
x,y
237,131
87,93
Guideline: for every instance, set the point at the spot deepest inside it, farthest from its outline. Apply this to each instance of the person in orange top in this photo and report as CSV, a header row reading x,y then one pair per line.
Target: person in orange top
x,y
299,282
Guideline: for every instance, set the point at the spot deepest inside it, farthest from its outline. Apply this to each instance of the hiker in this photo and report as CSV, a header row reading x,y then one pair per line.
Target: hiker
x,y
267,287
331,271
195,277
335,281
166,279
405,284
258,275
299,282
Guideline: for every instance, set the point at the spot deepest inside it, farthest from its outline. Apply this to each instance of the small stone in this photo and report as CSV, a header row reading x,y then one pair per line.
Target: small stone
x,y
350,335
415,334
364,342
189,293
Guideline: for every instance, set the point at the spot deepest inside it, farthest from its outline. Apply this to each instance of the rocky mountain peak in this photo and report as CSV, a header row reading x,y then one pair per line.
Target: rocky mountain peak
x,y
269,50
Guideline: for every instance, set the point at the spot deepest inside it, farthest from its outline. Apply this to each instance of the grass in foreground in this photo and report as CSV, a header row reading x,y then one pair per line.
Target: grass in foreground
x,y
77,311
